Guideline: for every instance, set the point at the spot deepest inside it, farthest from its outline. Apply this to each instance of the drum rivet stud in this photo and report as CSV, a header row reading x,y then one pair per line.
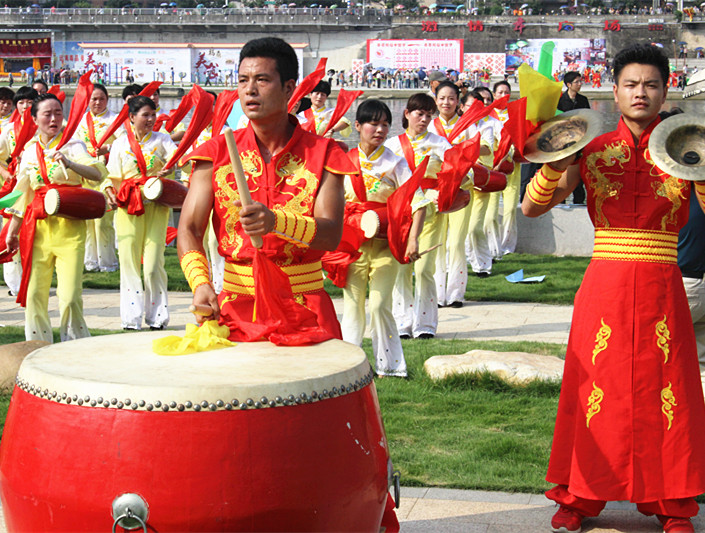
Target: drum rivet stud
x,y
204,404
243,406
106,403
314,395
172,404
53,394
74,398
128,401
87,399
250,402
291,398
264,399
189,405
235,402
212,407
63,396
68,400
299,401
149,407
228,407
272,403
80,401
120,405
181,407
157,404
334,391
303,396
165,408
220,403
258,405
134,406
141,403
99,399
93,402
285,402
196,407
278,399
113,401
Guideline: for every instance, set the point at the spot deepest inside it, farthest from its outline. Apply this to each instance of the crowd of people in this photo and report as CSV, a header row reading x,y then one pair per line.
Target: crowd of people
x,y
398,221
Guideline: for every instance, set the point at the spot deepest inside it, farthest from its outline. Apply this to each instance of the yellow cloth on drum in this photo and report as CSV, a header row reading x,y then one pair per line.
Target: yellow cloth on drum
x,y
210,336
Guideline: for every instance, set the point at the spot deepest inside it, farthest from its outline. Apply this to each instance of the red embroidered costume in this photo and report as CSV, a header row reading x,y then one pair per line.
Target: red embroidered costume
x,y
290,181
631,417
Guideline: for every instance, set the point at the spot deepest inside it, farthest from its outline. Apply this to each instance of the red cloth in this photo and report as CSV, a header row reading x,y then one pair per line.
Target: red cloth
x,y
78,108
308,83
202,116
456,165
149,90
290,180
223,106
628,451
56,91
342,104
400,215
130,195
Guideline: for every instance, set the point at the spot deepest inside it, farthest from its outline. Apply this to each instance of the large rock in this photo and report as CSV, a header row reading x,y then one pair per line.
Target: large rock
x,y
11,357
515,367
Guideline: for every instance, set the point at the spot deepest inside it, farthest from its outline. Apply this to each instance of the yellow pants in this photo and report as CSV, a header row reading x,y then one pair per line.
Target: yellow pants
x,y
479,255
491,225
141,244
452,268
416,310
377,268
58,242
510,200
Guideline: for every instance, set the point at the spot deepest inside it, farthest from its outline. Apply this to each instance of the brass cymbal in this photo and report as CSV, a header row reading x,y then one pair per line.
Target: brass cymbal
x,y
677,146
563,135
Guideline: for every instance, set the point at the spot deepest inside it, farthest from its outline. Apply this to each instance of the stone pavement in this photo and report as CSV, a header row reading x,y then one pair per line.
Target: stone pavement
x,y
425,510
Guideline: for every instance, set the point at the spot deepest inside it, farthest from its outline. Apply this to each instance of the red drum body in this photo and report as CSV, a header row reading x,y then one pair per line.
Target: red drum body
x,y
375,222
168,192
506,166
488,180
208,440
75,202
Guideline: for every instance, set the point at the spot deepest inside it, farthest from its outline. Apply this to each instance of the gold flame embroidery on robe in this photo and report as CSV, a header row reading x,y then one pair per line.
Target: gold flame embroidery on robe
x,y
594,401
663,335
603,334
617,154
668,400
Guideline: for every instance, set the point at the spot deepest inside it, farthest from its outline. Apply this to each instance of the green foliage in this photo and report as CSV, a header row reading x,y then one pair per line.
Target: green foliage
x,y
678,15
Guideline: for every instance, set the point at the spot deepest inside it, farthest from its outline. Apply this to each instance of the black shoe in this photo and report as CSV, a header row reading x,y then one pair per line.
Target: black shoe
x,y
405,337
425,336
157,328
482,274
456,305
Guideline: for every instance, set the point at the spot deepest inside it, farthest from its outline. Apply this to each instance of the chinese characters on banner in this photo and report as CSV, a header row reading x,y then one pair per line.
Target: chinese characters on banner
x,y
415,53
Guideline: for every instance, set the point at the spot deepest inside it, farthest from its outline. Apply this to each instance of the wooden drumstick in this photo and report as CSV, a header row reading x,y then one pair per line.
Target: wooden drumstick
x,y
203,310
239,174
427,250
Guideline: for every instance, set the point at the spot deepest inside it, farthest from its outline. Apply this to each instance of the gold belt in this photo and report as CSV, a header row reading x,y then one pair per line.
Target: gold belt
x,y
306,277
636,245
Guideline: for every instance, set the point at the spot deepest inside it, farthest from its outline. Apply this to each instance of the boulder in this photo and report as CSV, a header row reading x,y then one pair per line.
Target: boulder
x,y
11,357
514,367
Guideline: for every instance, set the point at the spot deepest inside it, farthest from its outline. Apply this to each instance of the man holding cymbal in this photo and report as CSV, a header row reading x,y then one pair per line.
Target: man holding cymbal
x,y
631,416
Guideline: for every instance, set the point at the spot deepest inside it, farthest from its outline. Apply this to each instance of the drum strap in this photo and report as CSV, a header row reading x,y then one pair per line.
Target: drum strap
x,y
90,126
130,193
408,151
42,164
439,128
358,183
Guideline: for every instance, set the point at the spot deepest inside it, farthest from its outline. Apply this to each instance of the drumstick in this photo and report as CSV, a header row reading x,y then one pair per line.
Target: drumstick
x,y
203,310
239,174
427,250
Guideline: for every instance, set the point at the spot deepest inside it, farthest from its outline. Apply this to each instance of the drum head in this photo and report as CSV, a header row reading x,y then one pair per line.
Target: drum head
x,y
122,371
369,224
52,201
153,188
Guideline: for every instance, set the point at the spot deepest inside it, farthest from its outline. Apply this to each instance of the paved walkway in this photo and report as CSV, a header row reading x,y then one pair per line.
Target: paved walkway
x,y
425,510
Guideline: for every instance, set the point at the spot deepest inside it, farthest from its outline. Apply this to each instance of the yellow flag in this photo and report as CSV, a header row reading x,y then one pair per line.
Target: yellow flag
x,y
542,94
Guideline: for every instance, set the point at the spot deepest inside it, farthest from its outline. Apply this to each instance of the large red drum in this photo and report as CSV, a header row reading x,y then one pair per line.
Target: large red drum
x,y
75,202
250,438
168,192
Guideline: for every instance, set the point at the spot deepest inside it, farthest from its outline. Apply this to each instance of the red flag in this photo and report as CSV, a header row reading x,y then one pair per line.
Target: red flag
x,y
477,112
345,100
505,143
122,116
223,107
517,126
171,233
161,120
178,114
308,83
202,115
457,162
399,213
56,91
79,104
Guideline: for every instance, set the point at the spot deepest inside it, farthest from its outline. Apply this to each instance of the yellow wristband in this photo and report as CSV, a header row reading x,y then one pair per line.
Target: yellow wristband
x,y
295,228
543,185
195,267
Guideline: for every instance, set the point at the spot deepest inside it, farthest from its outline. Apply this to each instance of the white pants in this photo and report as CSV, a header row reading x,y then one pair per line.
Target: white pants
x,y
478,249
510,200
100,244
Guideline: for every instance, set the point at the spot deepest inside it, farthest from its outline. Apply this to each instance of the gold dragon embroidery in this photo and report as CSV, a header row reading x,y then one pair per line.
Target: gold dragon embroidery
x,y
604,188
663,335
671,189
601,338
668,400
226,195
293,169
594,402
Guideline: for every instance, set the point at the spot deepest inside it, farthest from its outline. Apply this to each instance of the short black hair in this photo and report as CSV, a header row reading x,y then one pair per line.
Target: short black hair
x,y
138,102
7,94
372,111
100,87
131,90
322,87
476,93
304,104
422,101
42,98
499,83
448,83
25,93
642,54
40,80
570,77
277,49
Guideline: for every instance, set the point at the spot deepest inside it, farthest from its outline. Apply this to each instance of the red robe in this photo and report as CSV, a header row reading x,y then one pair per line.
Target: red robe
x,y
291,181
631,417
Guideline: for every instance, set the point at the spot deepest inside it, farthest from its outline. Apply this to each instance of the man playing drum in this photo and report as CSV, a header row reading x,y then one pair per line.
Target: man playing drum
x,y
295,179
631,417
